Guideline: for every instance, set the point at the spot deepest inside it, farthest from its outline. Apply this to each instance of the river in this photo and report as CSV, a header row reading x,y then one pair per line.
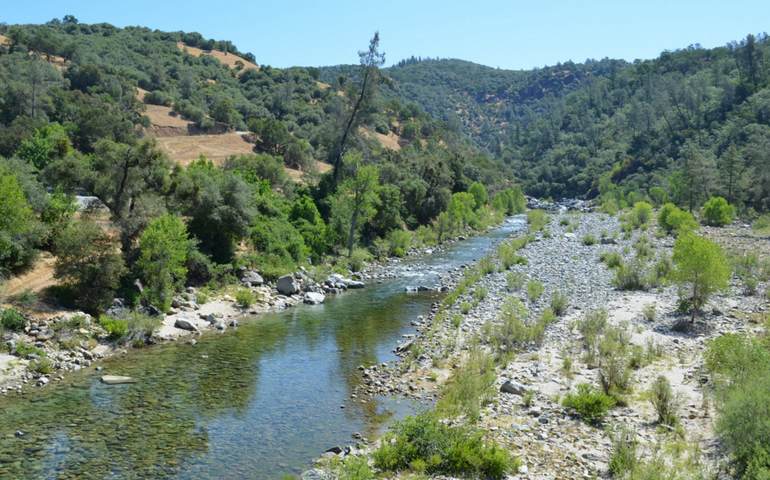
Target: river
x,y
256,402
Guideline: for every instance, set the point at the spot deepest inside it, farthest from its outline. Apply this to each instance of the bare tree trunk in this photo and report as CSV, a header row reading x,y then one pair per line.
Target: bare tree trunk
x,y
348,127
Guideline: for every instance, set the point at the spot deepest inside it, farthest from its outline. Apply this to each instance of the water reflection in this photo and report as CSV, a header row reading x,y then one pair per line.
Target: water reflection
x,y
252,403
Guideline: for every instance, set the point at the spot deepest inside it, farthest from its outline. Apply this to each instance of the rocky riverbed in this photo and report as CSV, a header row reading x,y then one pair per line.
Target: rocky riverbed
x,y
526,414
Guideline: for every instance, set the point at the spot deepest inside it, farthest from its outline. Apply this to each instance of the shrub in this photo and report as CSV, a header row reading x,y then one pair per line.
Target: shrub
x,y
591,404
623,458
42,365
12,320
717,212
399,242
117,328
440,449
700,269
662,399
762,223
629,277
486,266
537,219
355,468
589,240
465,307
559,303
358,259
611,259
479,294
673,220
507,254
244,298
514,281
140,326
641,214
470,386
535,290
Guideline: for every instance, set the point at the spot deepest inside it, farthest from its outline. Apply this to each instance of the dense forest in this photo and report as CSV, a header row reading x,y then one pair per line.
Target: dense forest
x,y
687,125
74,122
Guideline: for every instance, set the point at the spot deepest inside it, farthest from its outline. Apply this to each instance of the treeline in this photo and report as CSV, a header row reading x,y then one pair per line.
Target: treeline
x,y
77,130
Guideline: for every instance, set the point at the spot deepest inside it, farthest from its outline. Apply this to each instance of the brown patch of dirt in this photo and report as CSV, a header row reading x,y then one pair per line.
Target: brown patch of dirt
x,y
185,149
4,40
140,94
228,59
390,141
322,85
299,176
161,116
34,280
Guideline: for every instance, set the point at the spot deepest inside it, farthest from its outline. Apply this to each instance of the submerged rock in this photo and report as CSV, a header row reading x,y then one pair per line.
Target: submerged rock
x,y
117,379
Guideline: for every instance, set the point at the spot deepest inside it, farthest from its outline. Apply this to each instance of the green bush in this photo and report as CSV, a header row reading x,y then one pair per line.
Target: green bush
x,y
141,326
514,281
399,242
673,220
12,320
42,365
591,404
762,223
717,212
27,350
470,386
439,449
611,259
244,298
117,328
537,219
589,240
465,307
559,303
486,266
641,214
358,260
662,399
355,468
629,277
623,459
535,290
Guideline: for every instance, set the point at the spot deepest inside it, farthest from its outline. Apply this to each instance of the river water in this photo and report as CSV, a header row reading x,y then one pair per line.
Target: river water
x,y
257,402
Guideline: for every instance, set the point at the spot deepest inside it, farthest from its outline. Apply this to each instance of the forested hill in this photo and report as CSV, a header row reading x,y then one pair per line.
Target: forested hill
x,y
690,121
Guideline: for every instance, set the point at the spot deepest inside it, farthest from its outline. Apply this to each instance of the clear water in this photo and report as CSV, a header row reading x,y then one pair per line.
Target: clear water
x,y
257,402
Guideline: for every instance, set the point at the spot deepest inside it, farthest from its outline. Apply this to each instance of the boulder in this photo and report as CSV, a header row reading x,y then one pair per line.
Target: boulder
x,y
252,278
287,285
314,298
354,283
117,379
513,387
185,324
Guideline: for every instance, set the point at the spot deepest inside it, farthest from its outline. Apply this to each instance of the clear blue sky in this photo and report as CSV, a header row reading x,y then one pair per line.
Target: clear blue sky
x,y
506,34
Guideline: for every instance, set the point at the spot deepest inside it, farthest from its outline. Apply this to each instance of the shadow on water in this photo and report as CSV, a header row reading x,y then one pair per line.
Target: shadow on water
x,y
255,402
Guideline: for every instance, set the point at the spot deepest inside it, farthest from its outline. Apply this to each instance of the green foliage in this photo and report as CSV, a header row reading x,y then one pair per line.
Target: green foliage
x,y
762,223
27,350
673,220
559,303
43,366
623,459
163,249
589,240
19,231
470,386
480,195
717,212
440,449
511,201
662,399
358,259
399,242
588,402
611,259
630,276
11,319
641,214
355,468
89,263
537,219
535,290
117,328
700,269
244,298
514,281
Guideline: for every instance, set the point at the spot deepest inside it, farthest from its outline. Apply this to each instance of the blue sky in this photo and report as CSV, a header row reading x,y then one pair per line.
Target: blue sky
x,y
505,34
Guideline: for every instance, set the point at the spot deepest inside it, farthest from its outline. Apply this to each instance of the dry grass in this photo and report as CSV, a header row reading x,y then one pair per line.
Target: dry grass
x,y
34,280
227,59
161,116
390,141
4,40
184,149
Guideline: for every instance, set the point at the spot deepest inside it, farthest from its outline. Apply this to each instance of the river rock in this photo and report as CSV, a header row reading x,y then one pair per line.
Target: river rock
x,y
185,324
354,283
252,278
117,379
314,298
287,285
513,387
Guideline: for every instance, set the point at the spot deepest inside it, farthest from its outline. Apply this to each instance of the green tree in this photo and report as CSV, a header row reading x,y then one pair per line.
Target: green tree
x,y
480,195
355,202
47,143
89,263
19,229
700,269
717,212
163,249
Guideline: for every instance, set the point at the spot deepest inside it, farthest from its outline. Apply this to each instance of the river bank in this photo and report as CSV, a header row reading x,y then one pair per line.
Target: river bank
x,y
69,340
525,412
